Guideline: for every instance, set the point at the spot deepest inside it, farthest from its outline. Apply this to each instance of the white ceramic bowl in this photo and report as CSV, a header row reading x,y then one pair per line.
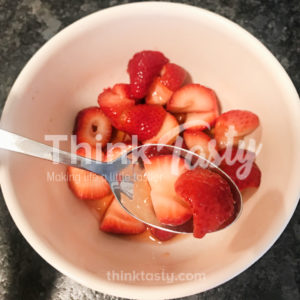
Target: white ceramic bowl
x,y
67,74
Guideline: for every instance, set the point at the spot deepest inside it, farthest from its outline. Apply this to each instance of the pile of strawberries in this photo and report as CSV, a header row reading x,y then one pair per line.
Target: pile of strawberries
x,y
160,105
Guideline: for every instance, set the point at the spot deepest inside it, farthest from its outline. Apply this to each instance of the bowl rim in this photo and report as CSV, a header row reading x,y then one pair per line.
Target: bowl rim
x,y
57,260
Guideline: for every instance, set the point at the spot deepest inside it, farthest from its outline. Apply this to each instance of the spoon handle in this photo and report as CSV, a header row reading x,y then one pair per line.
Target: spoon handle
x,y
20,144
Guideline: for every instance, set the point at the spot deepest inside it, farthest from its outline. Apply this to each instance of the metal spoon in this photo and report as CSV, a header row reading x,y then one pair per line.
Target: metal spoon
x,y
124,175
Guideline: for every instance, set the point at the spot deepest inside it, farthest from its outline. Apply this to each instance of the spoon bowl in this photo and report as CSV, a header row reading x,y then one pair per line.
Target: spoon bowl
x,y
133,192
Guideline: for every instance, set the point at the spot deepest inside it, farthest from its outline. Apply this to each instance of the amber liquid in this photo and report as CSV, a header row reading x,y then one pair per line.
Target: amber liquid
x,y
140,205
99,207
147,237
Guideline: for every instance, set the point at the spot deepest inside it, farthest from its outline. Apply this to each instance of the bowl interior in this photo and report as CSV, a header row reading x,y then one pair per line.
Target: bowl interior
x,y
68,73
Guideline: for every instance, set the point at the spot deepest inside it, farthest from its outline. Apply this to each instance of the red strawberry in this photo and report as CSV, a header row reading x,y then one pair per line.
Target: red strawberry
x,y
198,142
192,98
142,69
162,87
92,127
167,133
116,151
236,124
99,206
240,166
113,104
117,220
172,76
201,120
161,235
162,172
143,120
152,151
210,197
122,89
87,185
158,93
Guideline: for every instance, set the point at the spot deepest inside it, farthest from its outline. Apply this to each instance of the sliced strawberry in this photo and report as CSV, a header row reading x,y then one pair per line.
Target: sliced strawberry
x,y
87,185
161,235
240,166
210,197
192,98
158,93
162,173
251,181
143,120
116,151
201,120
169,208
172,76
142,69
162,87
113,104
92,126
167,133
122,89
117,220
99,206
234,124
152,151
198,142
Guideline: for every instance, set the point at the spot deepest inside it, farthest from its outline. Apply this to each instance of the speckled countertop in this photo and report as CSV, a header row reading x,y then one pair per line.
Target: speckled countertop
x,y
28,24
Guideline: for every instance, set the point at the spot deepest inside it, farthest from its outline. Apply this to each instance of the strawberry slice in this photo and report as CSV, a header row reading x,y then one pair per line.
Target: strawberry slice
x,y
162,173
192,98
122,89
143,120
240,166
234,124
117,220
167,133
92,127
152,151
201,120
158,93
162,88
210,197
116,151
161,235
87,185
172,76
169,208
198,142
142,69
113,103
99,206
